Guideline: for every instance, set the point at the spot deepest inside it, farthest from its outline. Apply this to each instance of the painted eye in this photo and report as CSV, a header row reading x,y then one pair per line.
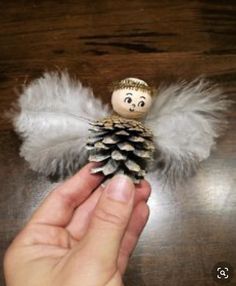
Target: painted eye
x,y
128,99
141,103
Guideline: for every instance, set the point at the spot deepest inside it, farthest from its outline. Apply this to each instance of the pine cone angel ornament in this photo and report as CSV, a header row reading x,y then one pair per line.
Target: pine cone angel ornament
x,y
63,125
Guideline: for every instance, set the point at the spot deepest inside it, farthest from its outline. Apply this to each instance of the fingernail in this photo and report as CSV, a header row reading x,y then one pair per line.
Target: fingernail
x,y
120,188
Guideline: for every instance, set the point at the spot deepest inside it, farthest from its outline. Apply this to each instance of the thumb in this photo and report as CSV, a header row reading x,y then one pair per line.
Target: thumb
x,y
110,219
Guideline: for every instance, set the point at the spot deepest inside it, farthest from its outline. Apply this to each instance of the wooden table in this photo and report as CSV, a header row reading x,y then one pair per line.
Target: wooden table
x,y
190,229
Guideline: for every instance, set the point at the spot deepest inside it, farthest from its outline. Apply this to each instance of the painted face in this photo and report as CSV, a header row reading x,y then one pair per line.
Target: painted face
x,y
131,103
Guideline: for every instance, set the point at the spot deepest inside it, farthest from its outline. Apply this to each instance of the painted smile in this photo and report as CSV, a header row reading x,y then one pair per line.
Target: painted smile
x,y
131,109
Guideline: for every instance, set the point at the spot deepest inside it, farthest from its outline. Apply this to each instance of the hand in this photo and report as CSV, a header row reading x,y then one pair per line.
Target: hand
x,y
82,234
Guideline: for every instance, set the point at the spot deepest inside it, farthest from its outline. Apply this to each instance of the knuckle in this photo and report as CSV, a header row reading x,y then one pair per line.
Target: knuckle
x,y
67,198
108,217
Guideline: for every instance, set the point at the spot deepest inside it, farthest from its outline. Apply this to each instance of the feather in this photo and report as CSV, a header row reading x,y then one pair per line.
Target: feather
x,y
53,122
186,119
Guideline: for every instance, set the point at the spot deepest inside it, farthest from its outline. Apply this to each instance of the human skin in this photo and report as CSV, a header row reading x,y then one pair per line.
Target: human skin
x,y
82,234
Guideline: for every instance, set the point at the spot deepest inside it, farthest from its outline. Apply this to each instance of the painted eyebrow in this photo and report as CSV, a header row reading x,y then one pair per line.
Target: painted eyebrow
x,y
143,97
129,93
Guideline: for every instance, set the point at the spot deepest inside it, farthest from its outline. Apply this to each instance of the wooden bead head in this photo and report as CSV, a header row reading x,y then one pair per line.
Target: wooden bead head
x,y
131,98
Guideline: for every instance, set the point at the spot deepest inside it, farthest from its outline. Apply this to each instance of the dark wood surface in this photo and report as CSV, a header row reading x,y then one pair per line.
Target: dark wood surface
x,y
191,228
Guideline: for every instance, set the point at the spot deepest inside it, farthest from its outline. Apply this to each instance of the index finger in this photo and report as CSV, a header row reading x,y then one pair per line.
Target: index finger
x,y
59,206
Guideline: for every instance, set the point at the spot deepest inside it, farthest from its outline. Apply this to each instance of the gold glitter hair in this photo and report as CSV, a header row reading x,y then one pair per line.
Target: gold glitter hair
x,y
131,84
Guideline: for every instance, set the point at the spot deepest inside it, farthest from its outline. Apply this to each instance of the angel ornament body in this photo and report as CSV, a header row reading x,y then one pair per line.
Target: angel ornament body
x,y
63,125
120,142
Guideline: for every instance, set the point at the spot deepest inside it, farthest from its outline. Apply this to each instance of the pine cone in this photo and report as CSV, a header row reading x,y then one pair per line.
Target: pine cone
x,y
123,146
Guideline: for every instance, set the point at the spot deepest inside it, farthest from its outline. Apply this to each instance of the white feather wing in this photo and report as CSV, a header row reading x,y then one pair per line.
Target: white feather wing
x,y
186,118
53,121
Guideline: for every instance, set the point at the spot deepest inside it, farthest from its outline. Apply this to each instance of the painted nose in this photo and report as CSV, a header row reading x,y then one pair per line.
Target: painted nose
x,y
133,105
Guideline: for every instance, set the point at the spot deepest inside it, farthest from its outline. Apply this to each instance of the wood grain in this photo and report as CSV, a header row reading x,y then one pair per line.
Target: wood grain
x,y
190,229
